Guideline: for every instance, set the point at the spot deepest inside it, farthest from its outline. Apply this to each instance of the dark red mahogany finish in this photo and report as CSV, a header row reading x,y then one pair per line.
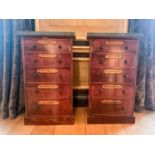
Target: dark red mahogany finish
x,y
113,70
47,69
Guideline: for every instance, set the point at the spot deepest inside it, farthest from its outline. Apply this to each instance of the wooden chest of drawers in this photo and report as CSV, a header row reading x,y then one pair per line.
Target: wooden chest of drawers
x,y
47,68
113,70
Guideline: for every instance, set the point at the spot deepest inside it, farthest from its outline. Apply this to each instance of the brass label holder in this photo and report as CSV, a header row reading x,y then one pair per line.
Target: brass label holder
x,y
48,86
113,56
114,43
112,86
47,42
113,71
47,55
111,102
49,102
47,70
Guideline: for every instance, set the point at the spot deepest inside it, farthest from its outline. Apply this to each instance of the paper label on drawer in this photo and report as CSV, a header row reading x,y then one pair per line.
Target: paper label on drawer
x,y
47,55
116,43
47,86
113,56
111,102
112,71
48,102
47,70
112,86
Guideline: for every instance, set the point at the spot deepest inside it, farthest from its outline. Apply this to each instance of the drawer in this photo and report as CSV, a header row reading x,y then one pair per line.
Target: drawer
x,y
111,106
114,45
48,91
112,60
49,107
113,75
114,91
48,75
46,59
47,45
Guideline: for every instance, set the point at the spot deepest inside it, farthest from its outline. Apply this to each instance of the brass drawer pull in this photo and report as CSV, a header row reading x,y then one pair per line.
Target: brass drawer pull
x,y
34,46
48,86
111,102
112,86
47,70
48,102
59,46
102,47
47,55
123,91
125,76
35,61
125,61
116,43
126,47
101,60
112,71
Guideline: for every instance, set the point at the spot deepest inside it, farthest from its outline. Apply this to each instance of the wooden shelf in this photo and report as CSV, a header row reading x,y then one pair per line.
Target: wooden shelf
x,y
80,87
80,59
81,49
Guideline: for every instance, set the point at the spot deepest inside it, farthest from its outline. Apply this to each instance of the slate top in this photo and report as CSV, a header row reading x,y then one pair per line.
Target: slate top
x,y
46,34
114,35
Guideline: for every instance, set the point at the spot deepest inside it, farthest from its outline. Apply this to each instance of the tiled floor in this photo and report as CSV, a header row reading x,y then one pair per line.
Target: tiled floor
x,y
145,124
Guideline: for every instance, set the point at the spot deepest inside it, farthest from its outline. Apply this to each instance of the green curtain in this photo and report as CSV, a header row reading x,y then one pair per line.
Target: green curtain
x,y
11,84
145,94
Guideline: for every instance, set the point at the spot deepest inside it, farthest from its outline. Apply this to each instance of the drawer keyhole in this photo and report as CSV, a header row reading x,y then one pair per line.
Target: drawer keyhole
x,y
36,91
125,61
59,61
35,76
60,92
123,92
35,61
34,46
101,76
100,92
101,48
101,60
60,77
122,108
59,46
126,47
125,76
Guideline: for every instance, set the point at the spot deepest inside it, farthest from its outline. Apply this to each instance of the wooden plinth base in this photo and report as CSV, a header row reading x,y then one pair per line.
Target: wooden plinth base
x,y
102,119
53,120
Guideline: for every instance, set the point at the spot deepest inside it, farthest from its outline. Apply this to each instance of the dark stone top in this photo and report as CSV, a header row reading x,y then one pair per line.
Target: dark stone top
x,y
46,34
114,35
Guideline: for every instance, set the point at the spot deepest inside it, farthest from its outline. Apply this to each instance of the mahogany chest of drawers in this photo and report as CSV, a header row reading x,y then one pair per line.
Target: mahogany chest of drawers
x,y
47,70
113,70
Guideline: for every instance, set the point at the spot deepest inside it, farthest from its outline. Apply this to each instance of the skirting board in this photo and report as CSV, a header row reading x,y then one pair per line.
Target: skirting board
x,y
53,120
102,119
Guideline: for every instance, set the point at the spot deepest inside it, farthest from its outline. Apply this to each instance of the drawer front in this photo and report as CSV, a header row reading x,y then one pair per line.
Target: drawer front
x,y
46,59
114,45
127,60
48,91
112,91
47,45
49,107
113,75
111,107
48,75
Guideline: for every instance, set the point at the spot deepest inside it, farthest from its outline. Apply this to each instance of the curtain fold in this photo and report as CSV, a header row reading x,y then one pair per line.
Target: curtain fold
x,y
11,81
145,93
